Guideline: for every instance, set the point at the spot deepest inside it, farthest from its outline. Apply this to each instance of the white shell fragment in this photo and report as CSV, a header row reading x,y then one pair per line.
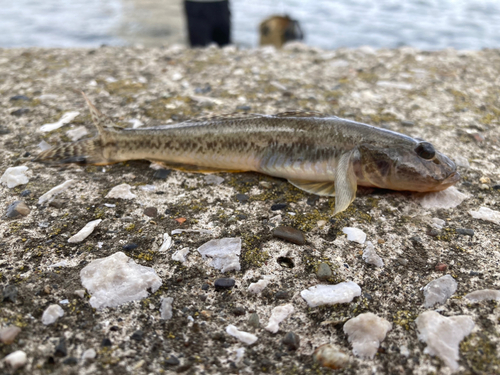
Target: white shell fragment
x,y
121,191
331,294
278,314
485,213
355,234
16,359
180,255
77,133
55,191
85,231
89,354
65,119
225,253
51,314
244,337
167,242
14,176
439,290
443,335
259,286
166,308
365,332
484,295
117,279
370,255
448,198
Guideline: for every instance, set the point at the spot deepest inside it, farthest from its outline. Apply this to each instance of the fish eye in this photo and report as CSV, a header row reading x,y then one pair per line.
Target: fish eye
x,y
425,150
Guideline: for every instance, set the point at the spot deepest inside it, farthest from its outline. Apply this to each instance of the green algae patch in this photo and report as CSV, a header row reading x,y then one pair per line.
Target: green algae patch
x,y
480,353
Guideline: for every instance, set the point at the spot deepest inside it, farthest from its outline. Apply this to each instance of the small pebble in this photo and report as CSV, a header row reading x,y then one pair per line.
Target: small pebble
x,y
61,350
162,174
106,342
9,294
9,334
19,97
253,320
70,361
17,209
465,232
57,203
282,294
329,355
89,354
20,112
278,206
242,198
438,291
204,286
151,211
291,341
407,124
290,234
130,246
324,271
137,335
496,187
25,193
16,359
51,314
441,267
166,308
172,361
224,284
239,311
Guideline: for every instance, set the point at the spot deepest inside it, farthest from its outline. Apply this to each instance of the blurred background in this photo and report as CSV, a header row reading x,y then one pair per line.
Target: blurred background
x,y
329,24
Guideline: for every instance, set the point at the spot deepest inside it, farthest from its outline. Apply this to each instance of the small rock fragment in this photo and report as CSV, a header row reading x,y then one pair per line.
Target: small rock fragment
x,y
441,267
329,355
482,295
213,179
180,255
253,320
167,242
61,349
278,206
89,354
465,232
290,234
57,203
291,341
65,119
439,290
244,337
162,174
166,308
51,314
151,211
224,284
77,133
19,112
9,334
172,361
365,332
355,234
85,231
16,359
242,198
117,279
278,314
9,293
80,293
225,253
259,286
331,294
487,214
17,209
55,191
324,271
461,161
121,191
448,198
14,176
370,255
443,335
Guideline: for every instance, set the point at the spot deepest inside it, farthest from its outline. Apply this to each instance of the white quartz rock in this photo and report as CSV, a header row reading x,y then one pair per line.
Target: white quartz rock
x,y
77,133
117,279
331,294
443,335
166,308
484,295
225,253
16,359
65,119
167,242
213,179
121,191
278,314
244,337
51,314
365,332
85,231
370,255
439,290
180,255
55,191
259,286
355,234
448,198
89,354
14,176
461,161
485,213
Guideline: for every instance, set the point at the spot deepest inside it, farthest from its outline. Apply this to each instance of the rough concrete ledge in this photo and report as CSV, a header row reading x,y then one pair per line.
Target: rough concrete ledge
x,y
449,98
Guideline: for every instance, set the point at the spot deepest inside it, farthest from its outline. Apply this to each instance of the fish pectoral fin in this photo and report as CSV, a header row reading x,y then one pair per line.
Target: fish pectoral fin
x,y
325,188
346,183
190,168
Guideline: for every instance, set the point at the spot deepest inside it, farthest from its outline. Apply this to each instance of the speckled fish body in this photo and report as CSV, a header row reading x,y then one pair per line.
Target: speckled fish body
x,y
321,154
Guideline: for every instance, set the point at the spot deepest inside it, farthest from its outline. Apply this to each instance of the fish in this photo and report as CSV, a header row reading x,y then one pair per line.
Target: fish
x,y
318,153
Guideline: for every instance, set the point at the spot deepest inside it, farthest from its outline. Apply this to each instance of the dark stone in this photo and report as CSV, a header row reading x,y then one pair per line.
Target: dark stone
x,y
475,273
19,97
106,342
243,108
137,335
219,336
4,131
242,198
416,241
172,361
224,283
290,234
407,124
312,200
130,246
282,294
17,209
203,90
20,112
114,329
204,286
61,350
9,294
26,154
70,361
151,211
253,320
324,271
291,341
278,206
25,193
433,232
241,216
466,232
496,187
285,262
57,203
162,174
239,311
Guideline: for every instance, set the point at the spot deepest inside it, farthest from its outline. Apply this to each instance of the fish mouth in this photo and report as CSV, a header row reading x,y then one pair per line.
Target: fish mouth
x,y
452,179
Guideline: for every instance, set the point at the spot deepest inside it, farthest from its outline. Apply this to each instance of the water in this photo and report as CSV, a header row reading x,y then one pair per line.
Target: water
x,y
424,24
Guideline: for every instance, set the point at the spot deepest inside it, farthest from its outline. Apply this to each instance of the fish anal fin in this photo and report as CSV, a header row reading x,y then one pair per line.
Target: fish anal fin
x,y
324,188
346,182
190,168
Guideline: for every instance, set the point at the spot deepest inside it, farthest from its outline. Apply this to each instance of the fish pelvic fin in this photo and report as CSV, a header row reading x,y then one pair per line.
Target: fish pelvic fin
x,y
86,151
346,182
324,188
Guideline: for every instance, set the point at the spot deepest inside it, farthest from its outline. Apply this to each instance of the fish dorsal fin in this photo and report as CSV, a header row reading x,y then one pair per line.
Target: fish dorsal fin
x,y
324,188
224,116
300,114
100,121
346,182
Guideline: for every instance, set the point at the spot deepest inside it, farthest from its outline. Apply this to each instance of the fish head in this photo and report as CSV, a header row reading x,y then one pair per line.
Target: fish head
x,y
414,167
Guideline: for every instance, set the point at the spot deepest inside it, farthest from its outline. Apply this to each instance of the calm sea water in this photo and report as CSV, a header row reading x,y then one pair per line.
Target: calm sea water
x,y
425,24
